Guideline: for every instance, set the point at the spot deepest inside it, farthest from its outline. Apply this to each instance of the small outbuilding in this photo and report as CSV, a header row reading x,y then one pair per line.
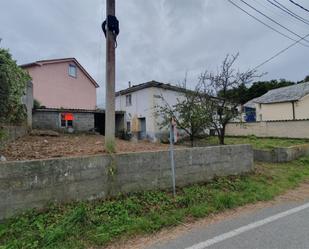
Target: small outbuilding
x,y
74,120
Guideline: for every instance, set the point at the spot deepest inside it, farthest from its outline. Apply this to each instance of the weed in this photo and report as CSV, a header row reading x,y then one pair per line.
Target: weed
x,y
92,224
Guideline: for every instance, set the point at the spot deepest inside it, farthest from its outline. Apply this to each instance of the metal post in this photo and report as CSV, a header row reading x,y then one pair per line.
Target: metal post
x,y
172,157
110,82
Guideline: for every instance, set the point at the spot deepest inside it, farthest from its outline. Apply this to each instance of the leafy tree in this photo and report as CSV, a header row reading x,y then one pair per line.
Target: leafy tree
x,y
13,82
225,108
261,87
257,89
306,78
189,113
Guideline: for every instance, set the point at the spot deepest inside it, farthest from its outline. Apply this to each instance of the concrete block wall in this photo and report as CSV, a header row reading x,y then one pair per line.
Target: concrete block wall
x,y
28,102
12,133
45,120
34,184
83,121
281,155
285,129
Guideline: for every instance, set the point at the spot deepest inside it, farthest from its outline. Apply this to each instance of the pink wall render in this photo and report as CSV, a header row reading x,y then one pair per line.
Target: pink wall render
x,y
53,87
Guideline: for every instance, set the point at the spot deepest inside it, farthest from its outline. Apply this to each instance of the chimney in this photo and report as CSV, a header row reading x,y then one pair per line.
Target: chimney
x,y
129,84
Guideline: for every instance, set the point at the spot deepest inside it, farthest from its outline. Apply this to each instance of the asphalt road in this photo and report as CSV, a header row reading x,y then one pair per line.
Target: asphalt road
x,y
278,227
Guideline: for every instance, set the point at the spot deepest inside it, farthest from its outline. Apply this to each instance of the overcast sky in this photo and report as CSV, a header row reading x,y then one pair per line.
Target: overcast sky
x,y
159,40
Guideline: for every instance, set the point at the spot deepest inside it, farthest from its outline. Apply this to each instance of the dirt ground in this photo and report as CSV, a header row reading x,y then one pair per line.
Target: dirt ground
x,y
41,147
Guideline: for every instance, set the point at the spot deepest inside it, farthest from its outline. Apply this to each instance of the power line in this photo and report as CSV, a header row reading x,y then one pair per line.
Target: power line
x,y
300,6
288,12
281,52
272,28
306,20
271,19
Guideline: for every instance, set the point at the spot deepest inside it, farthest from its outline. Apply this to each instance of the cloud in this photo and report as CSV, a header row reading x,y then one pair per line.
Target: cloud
x,y
159,40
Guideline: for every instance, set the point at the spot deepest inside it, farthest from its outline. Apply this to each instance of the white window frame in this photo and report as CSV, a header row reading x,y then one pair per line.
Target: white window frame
x,y
72,73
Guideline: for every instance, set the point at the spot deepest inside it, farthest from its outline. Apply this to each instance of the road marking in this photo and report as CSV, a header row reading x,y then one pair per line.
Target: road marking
x,y
248,227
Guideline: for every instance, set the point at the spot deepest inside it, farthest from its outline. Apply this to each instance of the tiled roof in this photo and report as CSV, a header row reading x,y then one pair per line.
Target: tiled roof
x,y
150,84
284,94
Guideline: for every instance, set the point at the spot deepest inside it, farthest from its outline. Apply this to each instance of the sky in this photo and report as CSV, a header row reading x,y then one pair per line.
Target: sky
x,y
160,40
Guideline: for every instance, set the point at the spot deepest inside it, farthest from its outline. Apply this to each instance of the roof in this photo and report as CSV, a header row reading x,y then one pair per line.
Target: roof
x,y
251,103
284,94
151,84
53,61
73,110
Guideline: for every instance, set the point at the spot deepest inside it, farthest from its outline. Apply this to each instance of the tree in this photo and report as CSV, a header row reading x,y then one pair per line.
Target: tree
x,y
13,82
188,113
306,78
225,108
257,89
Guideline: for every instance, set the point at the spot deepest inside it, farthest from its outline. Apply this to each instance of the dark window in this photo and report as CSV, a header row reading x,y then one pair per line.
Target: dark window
x,y
129,100
70,123
73,71
63,123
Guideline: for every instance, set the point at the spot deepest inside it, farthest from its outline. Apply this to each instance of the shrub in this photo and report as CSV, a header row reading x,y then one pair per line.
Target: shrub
x,y
13,82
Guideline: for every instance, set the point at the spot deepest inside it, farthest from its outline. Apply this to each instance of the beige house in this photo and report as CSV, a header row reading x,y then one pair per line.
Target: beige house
x,y
286,103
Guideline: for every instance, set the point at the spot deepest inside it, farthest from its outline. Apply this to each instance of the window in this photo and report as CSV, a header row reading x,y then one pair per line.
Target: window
x,y
72,71
66,120
128,126
129,100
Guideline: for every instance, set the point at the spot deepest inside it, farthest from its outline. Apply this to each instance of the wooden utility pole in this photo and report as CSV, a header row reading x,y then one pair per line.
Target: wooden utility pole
x,y
110,81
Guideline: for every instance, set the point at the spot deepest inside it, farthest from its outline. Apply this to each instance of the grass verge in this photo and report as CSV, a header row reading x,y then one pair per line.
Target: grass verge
x,y
257,143
81,225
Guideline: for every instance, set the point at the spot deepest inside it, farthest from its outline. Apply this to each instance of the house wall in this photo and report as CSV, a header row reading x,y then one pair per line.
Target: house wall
x,y
83,122
302,108
35,184
285,129
283,111
144,104
54,88
276,111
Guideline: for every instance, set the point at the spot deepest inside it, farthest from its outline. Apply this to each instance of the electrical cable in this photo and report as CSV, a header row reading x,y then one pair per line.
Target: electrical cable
x,y
300,6
271,19
288,12
284,7
281,52
277,31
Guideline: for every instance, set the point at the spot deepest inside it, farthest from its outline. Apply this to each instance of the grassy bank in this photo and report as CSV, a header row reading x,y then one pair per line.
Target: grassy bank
x,y
81,225
257,143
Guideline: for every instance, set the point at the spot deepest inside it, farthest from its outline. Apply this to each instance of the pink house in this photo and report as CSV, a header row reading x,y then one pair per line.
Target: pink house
x,y
62,83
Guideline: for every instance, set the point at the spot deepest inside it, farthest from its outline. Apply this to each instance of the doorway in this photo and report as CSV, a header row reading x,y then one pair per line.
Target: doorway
x,y
142,134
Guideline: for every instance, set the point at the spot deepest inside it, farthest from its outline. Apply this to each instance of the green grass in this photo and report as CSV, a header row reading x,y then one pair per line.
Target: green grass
x,y
257,143
81,225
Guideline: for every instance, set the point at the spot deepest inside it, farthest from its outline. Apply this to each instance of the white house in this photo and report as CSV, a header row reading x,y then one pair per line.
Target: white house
x,y
139,103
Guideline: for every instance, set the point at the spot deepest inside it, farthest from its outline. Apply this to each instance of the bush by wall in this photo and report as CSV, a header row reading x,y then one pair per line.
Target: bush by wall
x,y
13,82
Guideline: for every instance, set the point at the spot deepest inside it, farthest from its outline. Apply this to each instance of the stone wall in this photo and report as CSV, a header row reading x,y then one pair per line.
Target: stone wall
x,y
83,121
11,133
34,184
285,129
